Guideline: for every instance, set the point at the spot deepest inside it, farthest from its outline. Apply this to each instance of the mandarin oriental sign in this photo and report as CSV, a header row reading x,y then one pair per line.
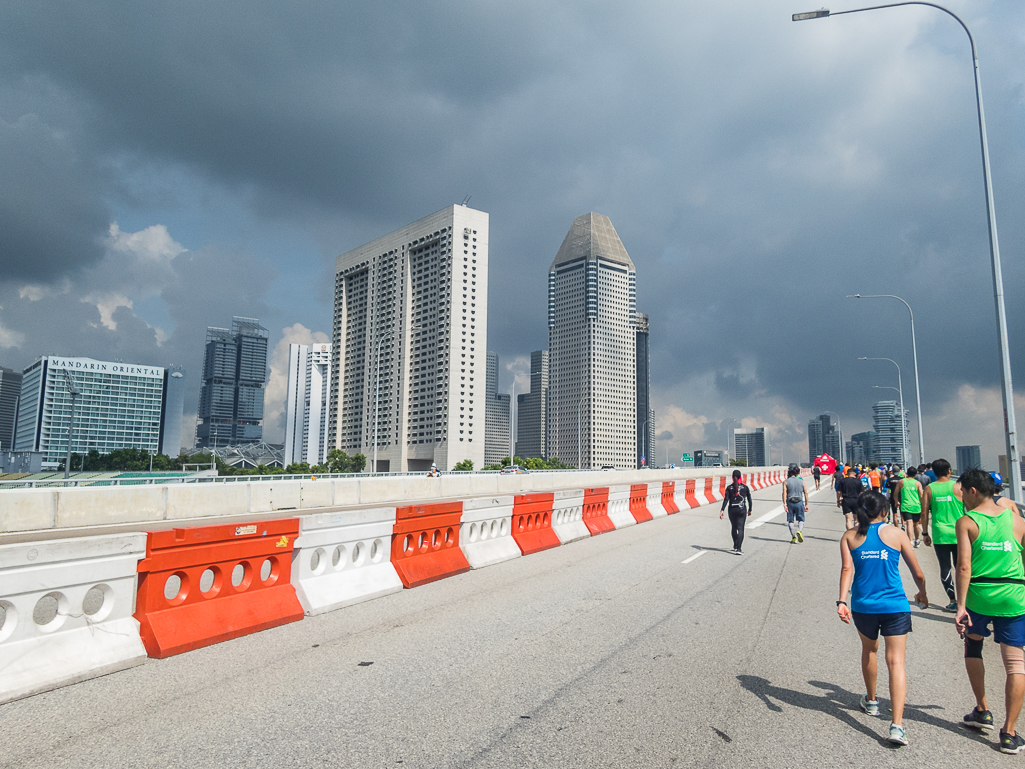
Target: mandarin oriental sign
x,y
106,367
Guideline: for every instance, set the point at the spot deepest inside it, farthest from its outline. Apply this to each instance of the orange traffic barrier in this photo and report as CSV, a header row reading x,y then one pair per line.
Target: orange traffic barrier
x,y
669,497
690,494
532,523
425,543
709,491
722,485
206,584
639,502
596,511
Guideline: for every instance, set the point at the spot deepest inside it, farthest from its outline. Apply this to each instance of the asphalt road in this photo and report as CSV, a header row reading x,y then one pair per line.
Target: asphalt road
x,y
609,652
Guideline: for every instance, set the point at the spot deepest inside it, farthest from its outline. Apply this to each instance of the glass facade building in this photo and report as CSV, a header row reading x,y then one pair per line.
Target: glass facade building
x,y
234,377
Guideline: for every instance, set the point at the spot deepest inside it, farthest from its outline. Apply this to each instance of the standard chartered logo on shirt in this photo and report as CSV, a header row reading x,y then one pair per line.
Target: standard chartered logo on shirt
x,y
867,555
1005,547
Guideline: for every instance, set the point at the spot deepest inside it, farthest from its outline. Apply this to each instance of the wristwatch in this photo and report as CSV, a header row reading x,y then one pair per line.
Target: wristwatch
x,y
840,602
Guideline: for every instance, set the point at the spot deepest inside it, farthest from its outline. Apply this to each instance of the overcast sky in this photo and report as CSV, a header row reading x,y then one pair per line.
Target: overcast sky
x,y
167,165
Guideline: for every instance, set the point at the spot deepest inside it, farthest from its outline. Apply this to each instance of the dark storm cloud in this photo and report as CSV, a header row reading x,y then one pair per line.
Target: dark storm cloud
x,y
756,170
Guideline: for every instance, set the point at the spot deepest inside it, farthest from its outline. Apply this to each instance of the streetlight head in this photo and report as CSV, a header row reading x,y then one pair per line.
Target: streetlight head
x,y
811,15
862,358
853,296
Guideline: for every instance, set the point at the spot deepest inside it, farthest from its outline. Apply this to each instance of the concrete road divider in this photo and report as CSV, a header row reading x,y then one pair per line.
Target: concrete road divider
x,y
206,584
709,492
596,511
723,483
532,523
655,507
639,502
343,558
66,611
568,516
425,543
485,535
619,507
668,499
691,495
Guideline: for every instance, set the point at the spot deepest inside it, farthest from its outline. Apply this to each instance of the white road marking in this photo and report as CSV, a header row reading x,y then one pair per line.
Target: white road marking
x,y
694,557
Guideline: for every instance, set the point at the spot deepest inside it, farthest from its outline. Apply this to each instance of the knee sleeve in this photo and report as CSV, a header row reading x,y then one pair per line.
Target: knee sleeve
x,y
972,648
1014,659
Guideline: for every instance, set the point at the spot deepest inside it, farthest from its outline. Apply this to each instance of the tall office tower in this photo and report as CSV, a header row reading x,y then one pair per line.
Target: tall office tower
x,y
815,444
309,372
968,457
824,437
234,376
752,445
645,414
10,389
861,449
413,305
174,404
592,348
102,422
497,421
532,410
889,444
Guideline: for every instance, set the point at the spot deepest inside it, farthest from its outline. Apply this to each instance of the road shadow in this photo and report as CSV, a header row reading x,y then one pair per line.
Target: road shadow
x,y
713,549
842,704
787,541
947,619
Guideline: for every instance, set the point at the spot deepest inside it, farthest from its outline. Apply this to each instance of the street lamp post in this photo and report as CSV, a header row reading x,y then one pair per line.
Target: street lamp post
x,y
1010,423
73,391
647,438
914,355
903,429
729,421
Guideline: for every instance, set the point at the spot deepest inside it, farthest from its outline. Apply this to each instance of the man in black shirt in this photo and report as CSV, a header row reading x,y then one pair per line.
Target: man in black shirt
x,y
847,493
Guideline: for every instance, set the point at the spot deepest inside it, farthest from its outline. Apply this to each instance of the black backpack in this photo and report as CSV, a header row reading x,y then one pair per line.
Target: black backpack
x,y
736,502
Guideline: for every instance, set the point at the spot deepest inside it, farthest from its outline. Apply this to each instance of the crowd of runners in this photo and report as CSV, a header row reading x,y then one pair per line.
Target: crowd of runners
x,y
978,536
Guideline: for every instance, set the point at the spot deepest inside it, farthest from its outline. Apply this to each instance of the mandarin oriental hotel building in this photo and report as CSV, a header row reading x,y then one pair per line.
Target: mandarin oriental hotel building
x,y
119,405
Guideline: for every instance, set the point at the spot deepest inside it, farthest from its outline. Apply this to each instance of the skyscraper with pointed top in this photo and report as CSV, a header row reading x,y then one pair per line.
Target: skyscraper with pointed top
x,y
592,396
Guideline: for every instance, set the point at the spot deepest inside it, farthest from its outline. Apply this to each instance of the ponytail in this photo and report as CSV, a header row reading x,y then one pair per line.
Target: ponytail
x,y
870,505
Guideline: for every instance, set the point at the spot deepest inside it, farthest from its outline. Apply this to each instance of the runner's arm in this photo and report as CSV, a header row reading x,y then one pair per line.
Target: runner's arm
x,y
907,552
846,579
926,502
963,575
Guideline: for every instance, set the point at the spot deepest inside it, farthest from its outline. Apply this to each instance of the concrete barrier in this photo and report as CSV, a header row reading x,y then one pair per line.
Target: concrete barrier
x,y
619,507
568,516
343,558
66,611
485,534
655,507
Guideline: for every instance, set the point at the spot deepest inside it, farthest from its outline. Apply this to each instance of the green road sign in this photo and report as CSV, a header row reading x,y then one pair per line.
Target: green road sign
x,y
687,458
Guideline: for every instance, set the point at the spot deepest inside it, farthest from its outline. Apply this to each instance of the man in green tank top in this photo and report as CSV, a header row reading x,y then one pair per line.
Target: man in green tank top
x,y
909,504
941,507
991,590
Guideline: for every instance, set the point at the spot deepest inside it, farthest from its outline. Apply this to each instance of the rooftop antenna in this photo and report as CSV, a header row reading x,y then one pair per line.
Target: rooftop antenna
x,y
466,200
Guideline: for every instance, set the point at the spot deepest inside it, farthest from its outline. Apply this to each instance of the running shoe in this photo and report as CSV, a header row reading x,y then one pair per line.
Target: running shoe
x,y
1011,743
916,542
951,607
899,737
793,540
869,706
738,551
979,719
800,537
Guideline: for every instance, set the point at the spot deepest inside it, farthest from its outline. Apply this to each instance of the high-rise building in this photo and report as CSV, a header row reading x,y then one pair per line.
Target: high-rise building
x,y
889,444
497,422
309,372
861,448
592,348
117,406
10,390
234,377
703,458
532,410
174,405
413,305
752,445
968,457
824,437
645,413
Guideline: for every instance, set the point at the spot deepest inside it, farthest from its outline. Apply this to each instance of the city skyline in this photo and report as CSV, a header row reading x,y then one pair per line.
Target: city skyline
x,y
142,209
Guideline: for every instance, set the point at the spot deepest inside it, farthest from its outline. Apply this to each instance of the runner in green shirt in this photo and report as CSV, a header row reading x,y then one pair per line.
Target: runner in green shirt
x,y
909,503
991,590
941,507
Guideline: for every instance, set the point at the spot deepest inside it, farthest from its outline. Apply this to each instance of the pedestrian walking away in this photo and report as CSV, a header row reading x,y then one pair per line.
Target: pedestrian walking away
x,y
737,502
941,508
816,472
847,494
909,502
991,591
838,477
1004,502
870,571
795,499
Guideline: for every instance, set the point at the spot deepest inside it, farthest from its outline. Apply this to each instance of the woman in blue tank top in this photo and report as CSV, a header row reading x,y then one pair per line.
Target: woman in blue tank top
x,y
871,557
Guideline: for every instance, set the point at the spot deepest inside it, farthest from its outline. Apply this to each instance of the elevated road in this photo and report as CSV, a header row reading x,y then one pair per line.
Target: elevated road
x,y
651,646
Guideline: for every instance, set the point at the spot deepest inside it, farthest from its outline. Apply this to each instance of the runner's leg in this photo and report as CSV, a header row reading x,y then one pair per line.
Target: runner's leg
x,y
737,523
1014,692
977,677
869,664
896,647
946,554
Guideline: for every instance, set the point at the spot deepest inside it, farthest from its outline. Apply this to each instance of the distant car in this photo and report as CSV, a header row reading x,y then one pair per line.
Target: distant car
x,y
513,470
717,464
607,467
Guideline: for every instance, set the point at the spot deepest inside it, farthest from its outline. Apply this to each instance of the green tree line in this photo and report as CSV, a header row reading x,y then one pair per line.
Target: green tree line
x,y
138,460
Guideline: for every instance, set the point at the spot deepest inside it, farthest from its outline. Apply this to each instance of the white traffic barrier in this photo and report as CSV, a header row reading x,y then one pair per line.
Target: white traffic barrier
x,y
619,507
66,611
485,531
344,558
654,501
568,516
717,487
